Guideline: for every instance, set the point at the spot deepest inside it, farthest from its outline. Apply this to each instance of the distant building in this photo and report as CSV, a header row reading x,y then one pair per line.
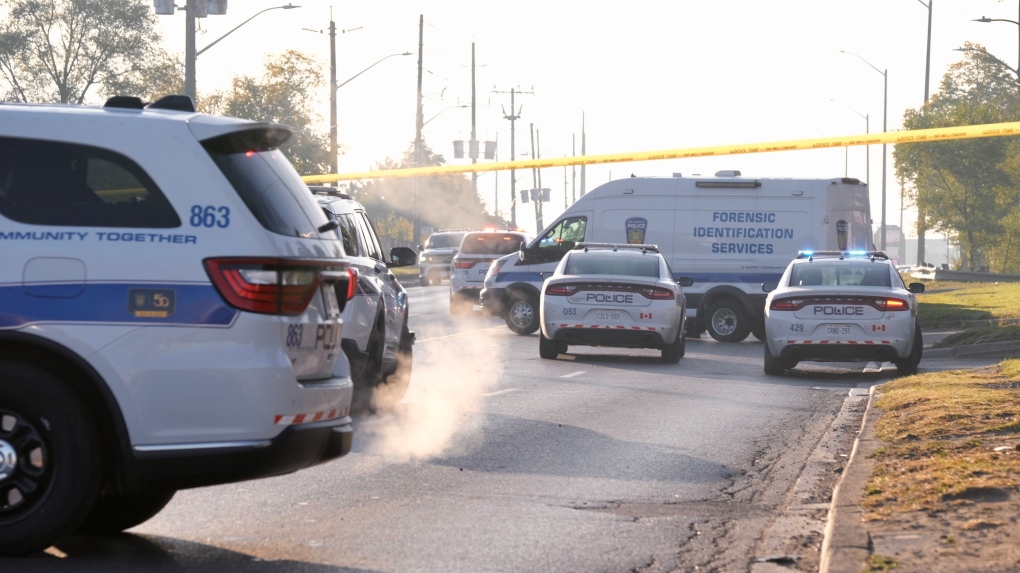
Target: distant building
x,y
937,250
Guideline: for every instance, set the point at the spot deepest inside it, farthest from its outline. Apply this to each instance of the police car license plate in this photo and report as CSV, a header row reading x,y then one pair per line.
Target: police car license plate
x,y
838,329
610,317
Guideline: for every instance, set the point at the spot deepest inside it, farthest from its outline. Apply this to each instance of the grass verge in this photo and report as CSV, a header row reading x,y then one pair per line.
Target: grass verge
x,y
947,437
955,305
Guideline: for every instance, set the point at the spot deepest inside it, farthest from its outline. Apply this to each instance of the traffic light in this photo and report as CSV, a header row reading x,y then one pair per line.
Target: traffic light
x,y
458,149
524,195
546,194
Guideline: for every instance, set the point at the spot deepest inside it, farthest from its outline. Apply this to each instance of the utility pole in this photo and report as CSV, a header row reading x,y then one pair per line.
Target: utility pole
x,y
582,154
473,146
573,168
333,145
190,7
515,114
417,135
922,226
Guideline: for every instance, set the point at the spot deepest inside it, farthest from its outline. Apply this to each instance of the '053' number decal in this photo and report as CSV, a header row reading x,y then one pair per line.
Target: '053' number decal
x,y
210,216
570,311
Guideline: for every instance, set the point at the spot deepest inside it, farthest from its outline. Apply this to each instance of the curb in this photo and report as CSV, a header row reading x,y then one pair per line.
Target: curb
x,y
1007,349
848,552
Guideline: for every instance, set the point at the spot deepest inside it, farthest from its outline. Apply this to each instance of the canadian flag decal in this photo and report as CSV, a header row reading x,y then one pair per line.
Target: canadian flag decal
x,y
645,315
877,327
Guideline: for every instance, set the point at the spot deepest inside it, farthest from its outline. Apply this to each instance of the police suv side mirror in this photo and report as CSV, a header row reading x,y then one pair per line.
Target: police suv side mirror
x,y
685,281
769,287
916,288
402,257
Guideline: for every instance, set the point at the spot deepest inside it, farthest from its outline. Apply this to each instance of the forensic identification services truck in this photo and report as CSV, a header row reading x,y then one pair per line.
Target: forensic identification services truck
x,y
728,233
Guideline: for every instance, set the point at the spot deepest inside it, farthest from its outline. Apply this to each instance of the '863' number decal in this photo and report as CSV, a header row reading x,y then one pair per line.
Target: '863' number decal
x,y
210,216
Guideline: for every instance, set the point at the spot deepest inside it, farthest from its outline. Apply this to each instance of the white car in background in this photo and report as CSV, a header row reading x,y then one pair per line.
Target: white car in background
x,y
478,249
618,295
833,306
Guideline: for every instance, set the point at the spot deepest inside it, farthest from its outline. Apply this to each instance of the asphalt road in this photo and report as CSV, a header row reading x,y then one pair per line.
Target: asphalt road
x,y
497,460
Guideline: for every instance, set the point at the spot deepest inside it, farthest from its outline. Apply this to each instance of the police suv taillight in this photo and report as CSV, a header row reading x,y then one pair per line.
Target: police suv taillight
x,y
271,286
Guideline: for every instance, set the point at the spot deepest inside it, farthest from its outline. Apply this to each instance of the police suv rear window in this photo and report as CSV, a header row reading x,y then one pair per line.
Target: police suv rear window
x,y
491,244
57,183
450,240
267,183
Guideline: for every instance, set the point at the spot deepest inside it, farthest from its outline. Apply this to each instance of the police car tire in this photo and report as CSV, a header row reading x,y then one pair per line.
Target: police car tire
x,y
424,281
515,308
49,415
115,513
730,309
547,349
773,366
908,366
674,352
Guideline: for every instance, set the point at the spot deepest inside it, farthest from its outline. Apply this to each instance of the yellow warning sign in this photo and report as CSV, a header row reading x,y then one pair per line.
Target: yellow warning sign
x,y
894,137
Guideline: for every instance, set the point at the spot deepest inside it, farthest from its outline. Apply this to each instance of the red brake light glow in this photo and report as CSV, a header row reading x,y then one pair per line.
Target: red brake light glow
x,y
463,264
891,304
560,290
787,304
268,286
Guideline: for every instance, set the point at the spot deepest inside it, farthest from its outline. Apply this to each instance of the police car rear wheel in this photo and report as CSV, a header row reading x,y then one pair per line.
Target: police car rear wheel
x,y
393,389
674,352
907,366
727,322
115,513
773,366
51,465
522,313
548,349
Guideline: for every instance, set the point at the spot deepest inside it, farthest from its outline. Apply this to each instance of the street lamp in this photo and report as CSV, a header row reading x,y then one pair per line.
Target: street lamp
x,y
1016,22
990,56
921,224
885,117
190,55
334,144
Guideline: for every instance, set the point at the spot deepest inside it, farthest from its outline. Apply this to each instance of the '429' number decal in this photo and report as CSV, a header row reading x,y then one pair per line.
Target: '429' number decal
x,y
210,216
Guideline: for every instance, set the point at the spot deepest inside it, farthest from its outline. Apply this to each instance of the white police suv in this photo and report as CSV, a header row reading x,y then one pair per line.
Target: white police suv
x,y
478,249
376,337
437,256
832,306
621,295
168,314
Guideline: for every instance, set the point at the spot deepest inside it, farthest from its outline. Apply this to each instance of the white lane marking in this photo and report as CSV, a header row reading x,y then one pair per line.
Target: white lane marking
x,y
572,374
498,392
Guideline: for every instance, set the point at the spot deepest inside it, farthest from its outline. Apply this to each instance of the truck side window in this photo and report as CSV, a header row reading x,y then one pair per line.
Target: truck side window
x,y
568,230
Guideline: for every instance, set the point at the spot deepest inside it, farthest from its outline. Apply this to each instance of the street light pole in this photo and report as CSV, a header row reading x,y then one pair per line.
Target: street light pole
x,y
922,225
190,55
885,118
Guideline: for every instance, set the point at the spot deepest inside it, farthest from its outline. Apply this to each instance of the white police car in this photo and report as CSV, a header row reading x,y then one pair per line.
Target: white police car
x,y
168,314
478,249
376,337
832,306
621,295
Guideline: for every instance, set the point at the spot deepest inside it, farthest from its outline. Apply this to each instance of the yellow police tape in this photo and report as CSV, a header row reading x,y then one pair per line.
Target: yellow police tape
x,y
914,136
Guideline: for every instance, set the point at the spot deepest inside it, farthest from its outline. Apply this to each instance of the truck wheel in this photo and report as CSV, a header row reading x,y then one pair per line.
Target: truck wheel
x,y
758,331
773,366
522,313
50,461
727,321
907,366
115,513
548,349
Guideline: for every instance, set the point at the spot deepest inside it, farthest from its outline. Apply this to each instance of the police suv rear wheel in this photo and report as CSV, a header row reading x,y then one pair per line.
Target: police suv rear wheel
x,y
674,352
51,465
907,366
773,366
522,313
727,321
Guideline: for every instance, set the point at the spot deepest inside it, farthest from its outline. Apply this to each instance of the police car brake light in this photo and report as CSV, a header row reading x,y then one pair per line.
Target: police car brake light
x,y
352,283
268,286
463,264
657,293
560,290
890,304
787,304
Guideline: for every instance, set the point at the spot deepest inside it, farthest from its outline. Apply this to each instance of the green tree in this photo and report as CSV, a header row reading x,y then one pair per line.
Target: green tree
x,y
161,75
285,93
967,188
57,50
442,201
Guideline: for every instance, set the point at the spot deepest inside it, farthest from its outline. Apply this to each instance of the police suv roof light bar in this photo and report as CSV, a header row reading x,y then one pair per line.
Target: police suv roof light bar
x,y
811,255
617,246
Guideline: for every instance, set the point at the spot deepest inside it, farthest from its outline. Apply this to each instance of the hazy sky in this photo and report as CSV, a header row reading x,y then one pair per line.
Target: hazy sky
x,y
645,75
